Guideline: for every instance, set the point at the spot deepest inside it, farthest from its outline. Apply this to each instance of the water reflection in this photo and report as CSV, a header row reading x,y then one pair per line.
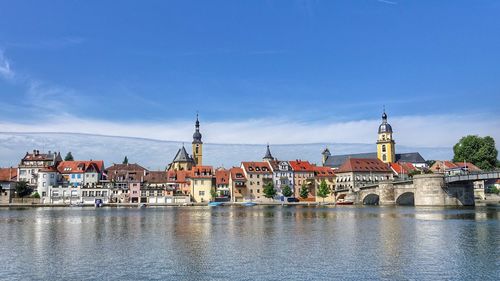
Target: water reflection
x,y
263,243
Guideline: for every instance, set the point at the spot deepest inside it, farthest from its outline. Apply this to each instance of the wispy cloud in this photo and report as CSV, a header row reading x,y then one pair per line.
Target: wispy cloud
x,y
50,44
388,2
5,70
424,131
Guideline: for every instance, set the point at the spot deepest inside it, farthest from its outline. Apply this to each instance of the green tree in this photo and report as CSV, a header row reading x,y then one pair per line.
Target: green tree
x,y
213,193
323,190
125,160
286,191
269,191
22,189
477,150
69,157
304,191
35,195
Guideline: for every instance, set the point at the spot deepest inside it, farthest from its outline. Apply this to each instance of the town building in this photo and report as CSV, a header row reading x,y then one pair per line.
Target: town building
x,y
202,181
453,168
47,177
282,172
8,179
303,173
324,174
126,181
359,172
82,173
282,176
238,185
33,162
222,184
179,182
258,174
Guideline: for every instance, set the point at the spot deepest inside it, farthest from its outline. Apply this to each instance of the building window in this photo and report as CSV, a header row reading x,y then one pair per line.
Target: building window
x,y
201,193
384,158
383,148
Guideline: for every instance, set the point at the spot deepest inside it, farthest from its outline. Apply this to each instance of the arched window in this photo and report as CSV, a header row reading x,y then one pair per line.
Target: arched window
x,y
384,158
197,149
383,148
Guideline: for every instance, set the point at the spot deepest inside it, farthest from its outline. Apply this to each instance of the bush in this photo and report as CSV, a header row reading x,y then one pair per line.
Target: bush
x,y
35,195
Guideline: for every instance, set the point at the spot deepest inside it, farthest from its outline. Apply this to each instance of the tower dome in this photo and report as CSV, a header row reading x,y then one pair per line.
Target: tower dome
x,y
197,134
384,127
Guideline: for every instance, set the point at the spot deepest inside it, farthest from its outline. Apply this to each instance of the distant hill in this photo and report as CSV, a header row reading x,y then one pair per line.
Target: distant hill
x,y
156,154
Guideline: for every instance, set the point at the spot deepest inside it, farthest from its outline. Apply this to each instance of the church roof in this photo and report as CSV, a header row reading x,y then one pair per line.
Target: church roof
x,y
182,156
384,127
268,154
336,161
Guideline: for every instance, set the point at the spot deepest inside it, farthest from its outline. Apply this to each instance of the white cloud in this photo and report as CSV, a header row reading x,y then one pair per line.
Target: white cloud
x,y
420,131
5,70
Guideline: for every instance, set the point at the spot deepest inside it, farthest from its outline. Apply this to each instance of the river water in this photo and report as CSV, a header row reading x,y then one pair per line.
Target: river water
x,y
252,243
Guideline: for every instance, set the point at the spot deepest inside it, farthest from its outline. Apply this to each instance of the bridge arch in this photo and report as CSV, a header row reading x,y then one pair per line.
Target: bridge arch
x,y
406,199
371,199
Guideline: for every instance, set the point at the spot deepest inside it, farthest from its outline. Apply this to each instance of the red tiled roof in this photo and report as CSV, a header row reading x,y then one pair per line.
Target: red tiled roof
x,y
178,176
126,167
468,165
8,174
257,167
71,167
301,166
49,170
402,167
363,165
156,177
202,172
222,176
237,173
323,172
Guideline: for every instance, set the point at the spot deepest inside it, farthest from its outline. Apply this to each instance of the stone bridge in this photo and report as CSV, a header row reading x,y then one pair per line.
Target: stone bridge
x,y
423,190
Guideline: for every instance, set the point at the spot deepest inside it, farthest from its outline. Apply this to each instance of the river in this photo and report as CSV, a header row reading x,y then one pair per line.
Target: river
x,y
252,243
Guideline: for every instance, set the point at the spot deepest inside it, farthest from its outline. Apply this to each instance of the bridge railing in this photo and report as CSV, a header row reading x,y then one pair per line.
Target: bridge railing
x,y
473,176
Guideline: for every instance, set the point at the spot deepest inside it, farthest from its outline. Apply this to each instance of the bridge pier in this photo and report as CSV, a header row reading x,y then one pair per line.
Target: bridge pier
x,y
385,190
432,190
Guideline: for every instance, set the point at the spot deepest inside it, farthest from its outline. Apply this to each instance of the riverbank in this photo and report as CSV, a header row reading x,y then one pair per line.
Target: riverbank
x,y
135,205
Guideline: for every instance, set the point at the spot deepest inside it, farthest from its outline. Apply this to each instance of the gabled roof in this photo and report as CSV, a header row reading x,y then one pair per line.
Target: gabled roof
x,y
72,167
178,176
8,174
202,172
257,167
301,166
323,172
37,156
336,161
363,165
182,156
222,176
156,177
126,167
237,173
467,165
402,168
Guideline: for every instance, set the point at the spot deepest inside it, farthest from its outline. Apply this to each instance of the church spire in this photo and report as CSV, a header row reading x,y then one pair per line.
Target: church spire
x,y
268,156
197,143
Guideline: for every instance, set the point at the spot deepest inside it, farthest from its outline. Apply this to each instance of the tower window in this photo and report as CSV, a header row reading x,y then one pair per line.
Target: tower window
x,y
384,158
383,148
197,149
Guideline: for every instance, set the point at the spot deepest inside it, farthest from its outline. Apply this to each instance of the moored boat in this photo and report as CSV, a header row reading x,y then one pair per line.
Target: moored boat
x,y
344,202
249,204
214,204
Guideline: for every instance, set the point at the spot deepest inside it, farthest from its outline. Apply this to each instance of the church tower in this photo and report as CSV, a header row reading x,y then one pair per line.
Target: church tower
x,y
386,147
197,144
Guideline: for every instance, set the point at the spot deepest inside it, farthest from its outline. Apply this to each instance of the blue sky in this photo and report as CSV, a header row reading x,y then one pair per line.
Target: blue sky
x,y
246,65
